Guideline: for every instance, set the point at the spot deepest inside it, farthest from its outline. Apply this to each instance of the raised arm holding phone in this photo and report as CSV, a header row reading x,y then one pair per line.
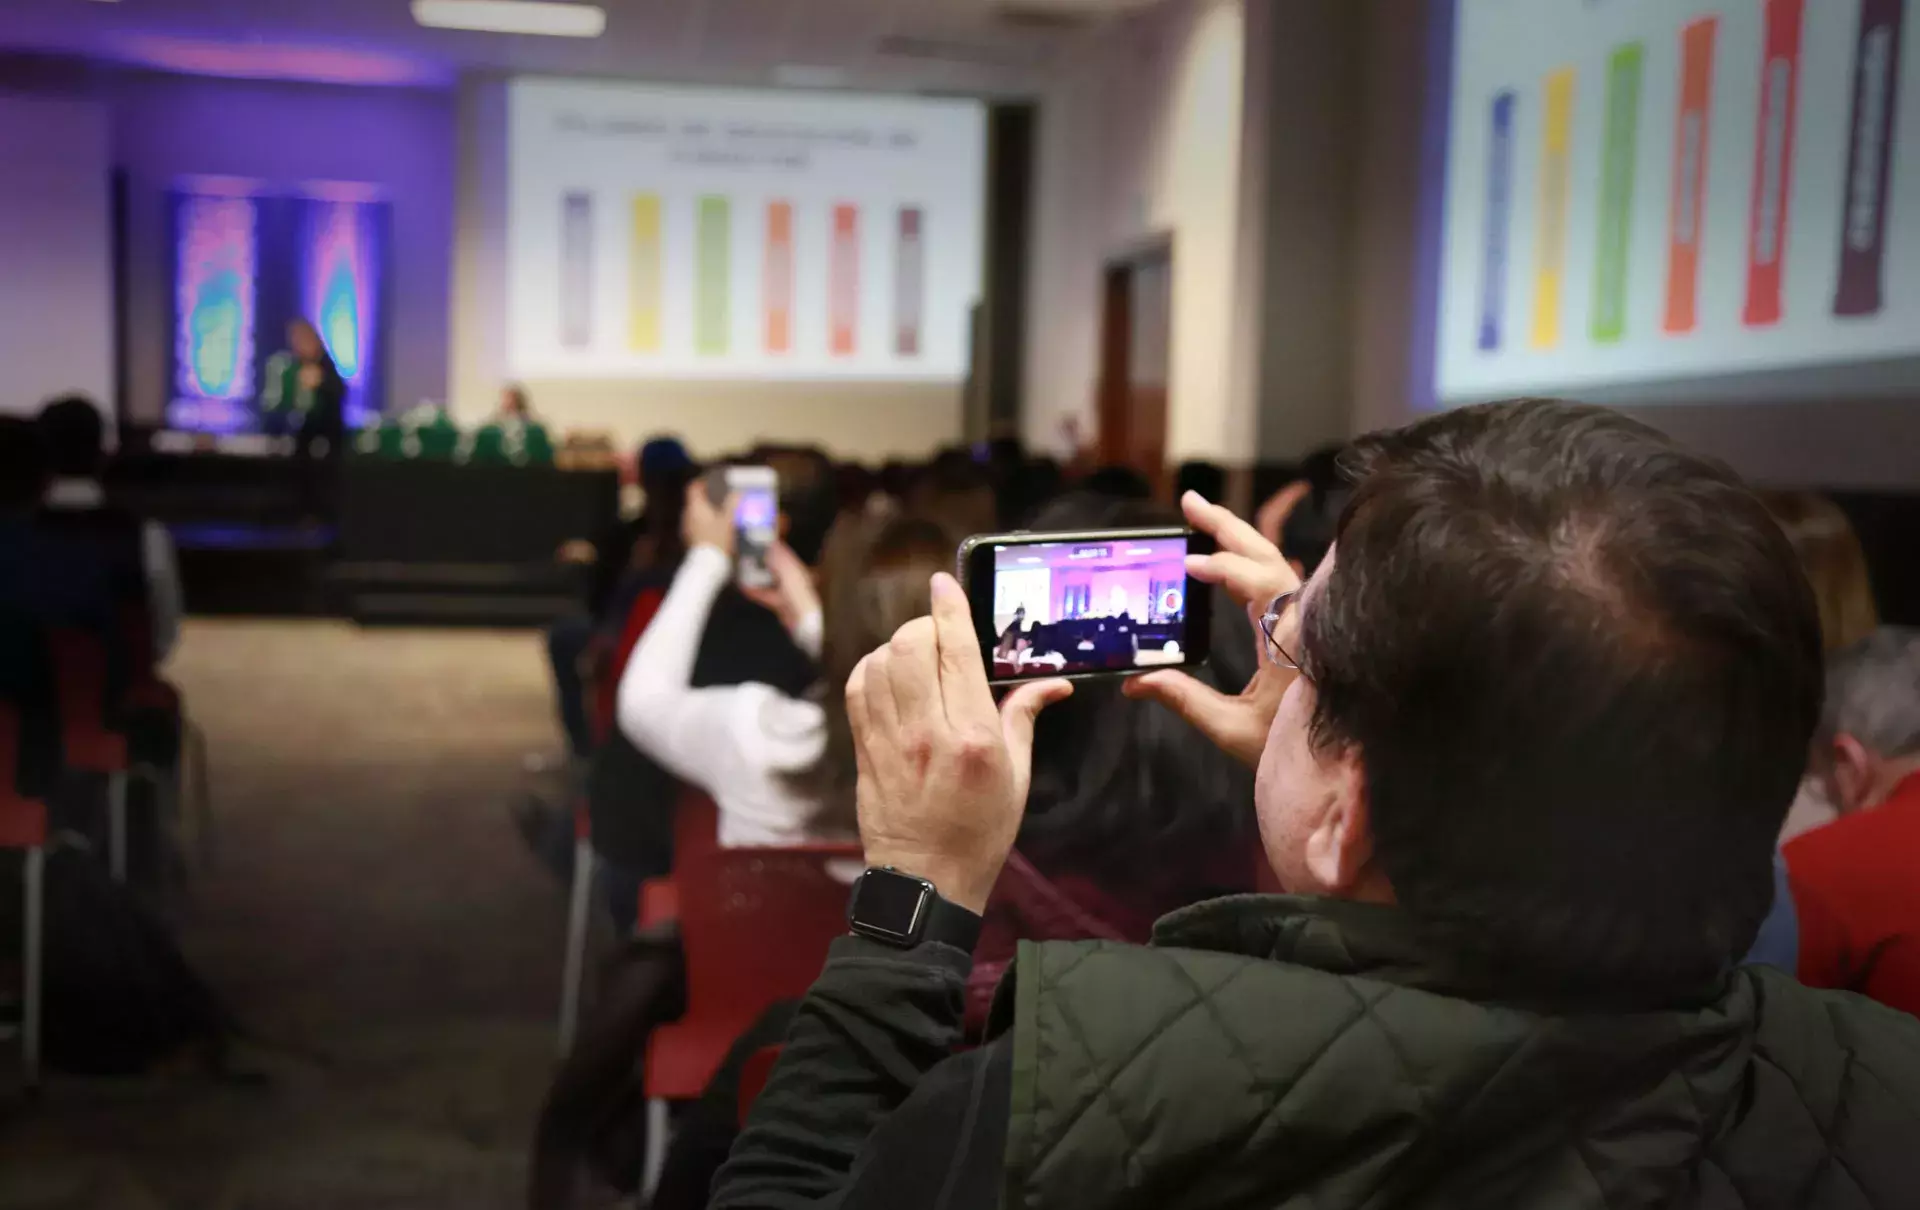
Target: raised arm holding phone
x,y
1523,743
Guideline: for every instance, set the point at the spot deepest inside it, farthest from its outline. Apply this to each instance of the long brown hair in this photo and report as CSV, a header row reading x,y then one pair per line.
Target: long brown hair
x,y
1836,566
870,597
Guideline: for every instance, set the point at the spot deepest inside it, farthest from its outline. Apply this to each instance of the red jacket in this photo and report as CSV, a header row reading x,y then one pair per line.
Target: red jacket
x,y
1856,887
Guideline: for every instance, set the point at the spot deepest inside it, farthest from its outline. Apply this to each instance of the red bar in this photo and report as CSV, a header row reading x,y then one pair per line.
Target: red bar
x,y
1773,162
1692,136
843,292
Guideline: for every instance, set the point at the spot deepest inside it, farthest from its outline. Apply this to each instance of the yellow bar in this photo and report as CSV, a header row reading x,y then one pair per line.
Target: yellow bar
x,y
1551,264
644,334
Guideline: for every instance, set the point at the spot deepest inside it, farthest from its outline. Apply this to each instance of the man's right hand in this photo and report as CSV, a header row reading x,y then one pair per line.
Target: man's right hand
x,y
1253,571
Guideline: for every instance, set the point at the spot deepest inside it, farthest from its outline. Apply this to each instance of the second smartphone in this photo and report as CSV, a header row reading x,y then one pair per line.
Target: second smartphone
x,y
756,518
1086,604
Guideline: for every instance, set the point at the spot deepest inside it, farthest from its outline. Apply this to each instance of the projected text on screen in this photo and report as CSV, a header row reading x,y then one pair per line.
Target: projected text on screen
x,y
694,233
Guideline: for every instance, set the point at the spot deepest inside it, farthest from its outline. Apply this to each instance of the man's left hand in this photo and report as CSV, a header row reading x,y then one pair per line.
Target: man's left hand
x,y
943,776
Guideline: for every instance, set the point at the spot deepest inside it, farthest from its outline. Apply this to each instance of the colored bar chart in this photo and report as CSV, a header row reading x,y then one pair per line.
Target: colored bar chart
x,y
777,287
1876,99
713,254
909,283
1555,170
1692,129
1493,265
643,275
843,287
1773,163
1621,143
576,270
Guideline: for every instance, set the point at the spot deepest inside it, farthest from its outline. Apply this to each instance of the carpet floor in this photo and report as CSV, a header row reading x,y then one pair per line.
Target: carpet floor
x,y
369,913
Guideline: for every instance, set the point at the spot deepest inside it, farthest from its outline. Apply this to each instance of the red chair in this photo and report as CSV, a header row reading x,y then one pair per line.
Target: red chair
x,y
696,825
23,826
754,926
89,743
696,830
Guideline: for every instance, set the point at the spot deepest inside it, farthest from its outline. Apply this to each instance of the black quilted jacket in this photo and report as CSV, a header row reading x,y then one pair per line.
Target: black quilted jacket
x,y
1271,1053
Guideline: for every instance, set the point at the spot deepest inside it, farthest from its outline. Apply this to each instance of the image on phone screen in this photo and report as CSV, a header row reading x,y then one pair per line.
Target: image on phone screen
x,y
756,517
1061,608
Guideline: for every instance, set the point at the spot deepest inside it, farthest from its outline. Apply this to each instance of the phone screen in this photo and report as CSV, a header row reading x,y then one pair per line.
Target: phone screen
x,y
1112,605
757,518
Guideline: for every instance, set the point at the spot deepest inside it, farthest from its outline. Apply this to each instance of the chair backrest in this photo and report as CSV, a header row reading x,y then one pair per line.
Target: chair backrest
x,y
696,826
27,685
755,924
23,818
80,673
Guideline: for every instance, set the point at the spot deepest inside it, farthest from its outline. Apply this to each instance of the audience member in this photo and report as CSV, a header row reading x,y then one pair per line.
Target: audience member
x,y
1830,553
614,558
1119,482
1132,814
512,436
954,492
1526,840
73,442
779,767
1836,566
1854,881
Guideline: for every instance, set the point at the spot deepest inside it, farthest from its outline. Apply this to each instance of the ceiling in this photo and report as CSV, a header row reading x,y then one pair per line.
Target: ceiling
x,y
964,46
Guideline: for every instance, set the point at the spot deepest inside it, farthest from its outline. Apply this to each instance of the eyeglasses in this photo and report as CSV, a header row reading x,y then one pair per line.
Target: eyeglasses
x,y
1282,646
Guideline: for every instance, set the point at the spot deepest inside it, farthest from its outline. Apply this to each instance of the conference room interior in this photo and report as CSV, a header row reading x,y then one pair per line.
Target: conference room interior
x,y
1166,238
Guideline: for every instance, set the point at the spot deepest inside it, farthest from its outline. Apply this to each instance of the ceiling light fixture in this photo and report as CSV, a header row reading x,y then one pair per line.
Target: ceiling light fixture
x,y
542,17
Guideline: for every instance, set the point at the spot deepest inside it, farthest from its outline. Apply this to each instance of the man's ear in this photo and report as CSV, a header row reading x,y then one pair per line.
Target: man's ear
x,y
1851,775
1339,852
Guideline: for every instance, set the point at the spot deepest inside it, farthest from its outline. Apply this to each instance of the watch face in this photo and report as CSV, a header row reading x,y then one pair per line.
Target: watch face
x,y
889,905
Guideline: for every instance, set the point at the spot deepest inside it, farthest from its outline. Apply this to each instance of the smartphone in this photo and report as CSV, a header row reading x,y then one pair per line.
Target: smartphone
x,y
756,520
1096,603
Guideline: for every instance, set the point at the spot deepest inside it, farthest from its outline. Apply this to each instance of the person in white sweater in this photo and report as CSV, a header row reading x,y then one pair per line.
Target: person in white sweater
x,y
780,769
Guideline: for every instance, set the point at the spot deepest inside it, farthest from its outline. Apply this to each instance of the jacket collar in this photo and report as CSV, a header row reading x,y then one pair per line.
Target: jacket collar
x,y
1345,937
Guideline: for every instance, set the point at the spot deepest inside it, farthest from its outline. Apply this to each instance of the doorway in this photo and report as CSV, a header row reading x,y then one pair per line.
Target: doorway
x,y
1136,319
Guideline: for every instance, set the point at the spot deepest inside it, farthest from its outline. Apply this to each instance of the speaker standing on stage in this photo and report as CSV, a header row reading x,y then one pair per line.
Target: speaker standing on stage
x,y
306,396
305,393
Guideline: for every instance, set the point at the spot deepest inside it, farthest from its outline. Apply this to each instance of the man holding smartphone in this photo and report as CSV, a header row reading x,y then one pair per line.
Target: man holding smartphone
x,y
1523,743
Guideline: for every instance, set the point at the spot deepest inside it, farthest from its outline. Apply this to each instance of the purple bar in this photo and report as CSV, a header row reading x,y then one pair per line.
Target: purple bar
x,y
1493,269
1876,99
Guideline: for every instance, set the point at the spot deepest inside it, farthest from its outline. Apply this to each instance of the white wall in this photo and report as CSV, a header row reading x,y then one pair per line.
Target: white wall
x,y
867,420
1140,136
56,274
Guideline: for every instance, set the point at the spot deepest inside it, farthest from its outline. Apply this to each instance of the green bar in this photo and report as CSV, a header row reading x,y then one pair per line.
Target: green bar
x,y
711,318
1616,193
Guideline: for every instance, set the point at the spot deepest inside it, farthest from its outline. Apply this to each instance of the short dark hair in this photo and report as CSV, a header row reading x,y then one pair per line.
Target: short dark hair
x,y
73,436
1580,667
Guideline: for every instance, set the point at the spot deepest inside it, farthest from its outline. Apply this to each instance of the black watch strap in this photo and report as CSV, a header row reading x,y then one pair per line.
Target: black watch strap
x,y
902,910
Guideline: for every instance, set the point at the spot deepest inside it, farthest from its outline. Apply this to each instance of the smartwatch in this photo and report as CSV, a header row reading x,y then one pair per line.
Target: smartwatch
x,y
902,911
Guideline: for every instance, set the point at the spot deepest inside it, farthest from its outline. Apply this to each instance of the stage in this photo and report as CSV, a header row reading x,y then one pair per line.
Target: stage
x,y
401,541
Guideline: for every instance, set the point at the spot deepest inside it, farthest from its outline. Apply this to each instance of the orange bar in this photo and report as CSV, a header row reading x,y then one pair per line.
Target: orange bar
x,y
778,293
843,292
1690,141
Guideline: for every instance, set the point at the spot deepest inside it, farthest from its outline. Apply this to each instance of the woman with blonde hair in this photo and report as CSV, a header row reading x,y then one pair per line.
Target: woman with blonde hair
x,y
1835,564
